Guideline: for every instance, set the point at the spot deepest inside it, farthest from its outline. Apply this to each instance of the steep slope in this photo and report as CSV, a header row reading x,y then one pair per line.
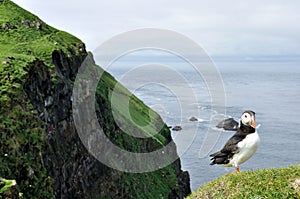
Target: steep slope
x,y
39,145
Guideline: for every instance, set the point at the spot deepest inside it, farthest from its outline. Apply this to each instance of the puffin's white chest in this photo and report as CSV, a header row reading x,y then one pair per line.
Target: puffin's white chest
x,y
247,147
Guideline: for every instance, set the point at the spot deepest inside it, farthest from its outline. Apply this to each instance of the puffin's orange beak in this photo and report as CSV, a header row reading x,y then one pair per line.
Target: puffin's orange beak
x,y
253,124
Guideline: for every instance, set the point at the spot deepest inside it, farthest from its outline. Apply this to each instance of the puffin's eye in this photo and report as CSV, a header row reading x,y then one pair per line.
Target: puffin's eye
x,y
245,116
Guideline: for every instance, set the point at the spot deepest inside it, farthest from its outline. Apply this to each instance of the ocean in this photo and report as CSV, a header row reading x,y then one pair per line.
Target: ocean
x,y
271,89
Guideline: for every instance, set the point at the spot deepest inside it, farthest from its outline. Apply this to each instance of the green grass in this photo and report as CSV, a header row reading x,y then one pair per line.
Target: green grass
x,y
27,43
143,189
130,111
6,184
267,183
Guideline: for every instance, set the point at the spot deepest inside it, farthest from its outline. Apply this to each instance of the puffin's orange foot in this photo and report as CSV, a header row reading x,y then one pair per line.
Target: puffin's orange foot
x,y
237,169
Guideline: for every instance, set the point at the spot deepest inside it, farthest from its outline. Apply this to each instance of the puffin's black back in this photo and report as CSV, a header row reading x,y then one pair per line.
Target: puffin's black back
x,y
230,148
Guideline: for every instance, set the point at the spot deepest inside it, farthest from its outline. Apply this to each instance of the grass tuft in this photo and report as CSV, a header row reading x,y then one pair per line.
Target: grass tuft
x,y
267,183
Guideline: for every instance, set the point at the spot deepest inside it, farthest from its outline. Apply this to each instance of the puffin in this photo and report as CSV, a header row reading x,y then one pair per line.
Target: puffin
x,y
241,146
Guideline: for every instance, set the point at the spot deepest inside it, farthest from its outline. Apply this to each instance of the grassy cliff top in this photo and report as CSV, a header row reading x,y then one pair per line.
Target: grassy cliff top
x,y
267,183
25,37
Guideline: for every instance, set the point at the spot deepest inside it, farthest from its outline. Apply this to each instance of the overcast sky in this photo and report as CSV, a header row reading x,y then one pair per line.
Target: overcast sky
x,y
222,28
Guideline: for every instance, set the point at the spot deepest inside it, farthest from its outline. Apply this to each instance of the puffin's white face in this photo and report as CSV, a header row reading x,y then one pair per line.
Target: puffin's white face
x,y
248,119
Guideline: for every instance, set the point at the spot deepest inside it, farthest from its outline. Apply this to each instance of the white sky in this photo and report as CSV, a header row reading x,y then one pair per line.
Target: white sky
x,y
222,28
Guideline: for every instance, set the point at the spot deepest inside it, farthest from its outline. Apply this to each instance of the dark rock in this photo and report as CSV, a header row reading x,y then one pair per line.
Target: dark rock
x,y
38,25
8,26
228,124
177,128
193,119
48,101
26,23
184,183
75,172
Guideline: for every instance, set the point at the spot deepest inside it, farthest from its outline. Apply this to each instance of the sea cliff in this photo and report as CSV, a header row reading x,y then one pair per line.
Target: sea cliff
x,y
39,145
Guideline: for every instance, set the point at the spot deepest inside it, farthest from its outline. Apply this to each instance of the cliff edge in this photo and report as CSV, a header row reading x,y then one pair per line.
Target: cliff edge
x,y
266,183
40,147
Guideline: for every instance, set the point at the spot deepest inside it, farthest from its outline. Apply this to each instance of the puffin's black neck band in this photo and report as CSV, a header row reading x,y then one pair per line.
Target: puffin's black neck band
x,y
247,129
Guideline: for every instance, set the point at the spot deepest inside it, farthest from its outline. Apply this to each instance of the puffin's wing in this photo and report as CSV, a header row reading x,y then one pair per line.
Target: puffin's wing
x,y
230,148
232,144
228,124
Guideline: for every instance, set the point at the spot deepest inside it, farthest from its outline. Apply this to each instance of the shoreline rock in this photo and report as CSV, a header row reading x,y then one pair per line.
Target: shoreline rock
x,y
177,128
193,119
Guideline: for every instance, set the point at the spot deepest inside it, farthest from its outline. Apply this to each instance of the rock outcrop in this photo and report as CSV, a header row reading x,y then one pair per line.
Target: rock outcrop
x,y
40,146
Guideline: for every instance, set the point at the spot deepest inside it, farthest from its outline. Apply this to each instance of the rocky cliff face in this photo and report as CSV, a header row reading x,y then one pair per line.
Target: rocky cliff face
x,y
40,147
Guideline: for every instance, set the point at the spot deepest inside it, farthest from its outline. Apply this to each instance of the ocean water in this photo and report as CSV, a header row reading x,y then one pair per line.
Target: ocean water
x,y
270,89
